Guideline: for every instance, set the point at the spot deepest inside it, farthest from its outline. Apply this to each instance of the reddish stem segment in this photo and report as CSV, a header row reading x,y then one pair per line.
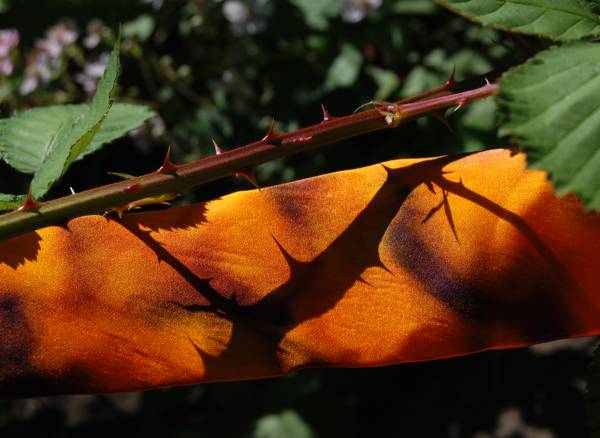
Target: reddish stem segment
x,y
171,178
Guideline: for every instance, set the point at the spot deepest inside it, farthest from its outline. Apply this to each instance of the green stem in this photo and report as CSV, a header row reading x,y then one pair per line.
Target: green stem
x,y
177,179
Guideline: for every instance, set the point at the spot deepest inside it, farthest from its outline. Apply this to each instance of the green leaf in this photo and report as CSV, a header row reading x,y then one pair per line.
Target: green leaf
x,y
592,5
75,135
25,138
141,28
317,13
413,7
562,20
10,202
551,107
287,424
592,395
345,68
387,81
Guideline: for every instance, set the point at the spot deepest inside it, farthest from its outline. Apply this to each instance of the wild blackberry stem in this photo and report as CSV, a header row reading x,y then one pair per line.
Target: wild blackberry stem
x,y
172,178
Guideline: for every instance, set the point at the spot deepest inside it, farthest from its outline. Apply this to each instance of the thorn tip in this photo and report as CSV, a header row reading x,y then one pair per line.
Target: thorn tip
x,y
218,150
271,134
168,166
451,82
442,118
326,116
249,175
460,103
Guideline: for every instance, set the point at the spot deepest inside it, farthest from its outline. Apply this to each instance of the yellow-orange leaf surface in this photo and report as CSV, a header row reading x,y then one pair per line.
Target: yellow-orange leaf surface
x,y
409,260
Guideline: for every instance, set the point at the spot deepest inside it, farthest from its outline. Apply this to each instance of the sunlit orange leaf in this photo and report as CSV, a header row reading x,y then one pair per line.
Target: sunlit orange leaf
x,y
409,260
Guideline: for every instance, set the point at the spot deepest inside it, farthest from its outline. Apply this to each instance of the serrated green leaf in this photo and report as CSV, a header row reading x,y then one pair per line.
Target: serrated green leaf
x,y
10,202
562,20
25,137
551,107
73,138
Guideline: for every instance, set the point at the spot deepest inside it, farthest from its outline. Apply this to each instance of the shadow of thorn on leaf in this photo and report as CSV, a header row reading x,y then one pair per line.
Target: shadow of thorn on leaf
x,y
258,329
18,250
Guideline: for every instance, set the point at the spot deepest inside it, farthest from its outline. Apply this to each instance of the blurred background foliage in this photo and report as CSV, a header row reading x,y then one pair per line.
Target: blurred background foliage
x,y
221,69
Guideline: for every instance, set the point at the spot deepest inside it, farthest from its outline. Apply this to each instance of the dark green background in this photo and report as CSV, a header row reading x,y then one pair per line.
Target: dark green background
x,y
209,78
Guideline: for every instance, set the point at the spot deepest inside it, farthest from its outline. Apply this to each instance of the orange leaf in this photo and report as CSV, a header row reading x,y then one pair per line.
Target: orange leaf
x,y
407,261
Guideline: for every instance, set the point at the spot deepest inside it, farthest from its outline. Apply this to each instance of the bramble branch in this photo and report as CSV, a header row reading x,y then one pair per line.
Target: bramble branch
x,y
172,179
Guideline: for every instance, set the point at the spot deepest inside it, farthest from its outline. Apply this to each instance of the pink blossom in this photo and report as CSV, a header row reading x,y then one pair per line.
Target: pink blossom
x,y
9,39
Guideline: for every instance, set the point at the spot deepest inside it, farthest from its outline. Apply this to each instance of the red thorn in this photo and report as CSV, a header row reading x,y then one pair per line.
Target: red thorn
x,y
326,116
167,166
301,139
132,188
248,173
218,150
451,82
486,81
271,134
29,203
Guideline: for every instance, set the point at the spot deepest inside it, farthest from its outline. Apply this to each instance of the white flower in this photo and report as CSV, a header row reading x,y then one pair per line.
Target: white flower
x,y
29,84
6,66
9,39
235,11
356,10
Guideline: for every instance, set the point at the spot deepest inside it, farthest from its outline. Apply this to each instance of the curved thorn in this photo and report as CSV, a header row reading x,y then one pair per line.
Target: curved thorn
x,y
442,118
167,166
271,134
451,82
248,174
30,203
